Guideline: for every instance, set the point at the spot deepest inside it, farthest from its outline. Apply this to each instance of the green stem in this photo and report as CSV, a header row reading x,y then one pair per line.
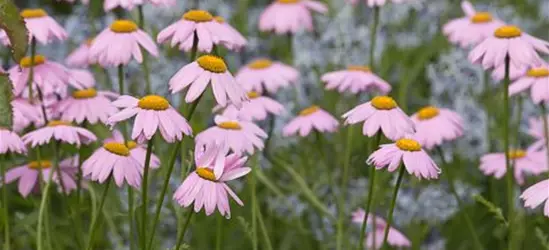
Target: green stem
x,y
42,209
130,216
93,226
373,37
487,99
5,212
31,69
219,233
545,129
393,203
121,79
254,204
145,65
264,232
144,193
509,174
181,236
341,202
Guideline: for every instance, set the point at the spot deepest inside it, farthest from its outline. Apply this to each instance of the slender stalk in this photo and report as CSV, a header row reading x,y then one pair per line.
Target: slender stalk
x,y
121,79
393,202
486,82
183,230
144,193
254,204
370,193
509,174
373,37
264,232
42,209
219,233
145,64
343,188
5,211
130,216
545,129
93,226
450,176
31,69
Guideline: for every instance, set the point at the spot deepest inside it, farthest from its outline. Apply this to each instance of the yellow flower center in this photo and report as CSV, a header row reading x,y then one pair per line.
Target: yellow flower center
x,y
206,173
508,31
55,123
84,93
39,164
33,13
123,26
153,102
408,145
253,95
198,16
89,42
481,17
212,63
516,154
117,148
219,19
27,61
359,68
538,72
231,125
427,113
288,1
383,103
131,145
308,111
260,64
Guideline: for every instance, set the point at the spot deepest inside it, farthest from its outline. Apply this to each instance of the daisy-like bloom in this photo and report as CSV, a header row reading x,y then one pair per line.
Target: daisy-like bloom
x,y
381,113
436,125
355,79
525,162
239,135
311,118
29,174
113,158
395,238
209,31
10,142
87,105
264,74
152,113
165,3
42,27
290,16
377,3
206,186
80,57
237,40
120,42
81,79
49,76
109,5
535,129
137,151
208,69
537,194
409,152
257,109
25,114
471,29
537,80
509,41
61,131
4,39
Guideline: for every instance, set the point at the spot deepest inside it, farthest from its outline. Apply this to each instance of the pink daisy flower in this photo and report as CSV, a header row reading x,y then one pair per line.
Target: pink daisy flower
x,y
514,72
137,151
25,114
355,79
471,29
42,27
537,80
81,79
509,41
206,186
151,113
208,69
49,76
4,39
61,131
264,74
537,194
10,142
109,5
87,105
290,16
535,129
436,125
239,135
238,41
80,57
120,42
381,113
257,109
395,238
311,118
210,32
408,151
113,158
377,3
529,161
165,3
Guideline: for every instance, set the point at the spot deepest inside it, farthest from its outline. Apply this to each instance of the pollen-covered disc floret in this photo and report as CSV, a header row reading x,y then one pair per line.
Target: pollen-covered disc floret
x,y
124,26
253,95
55,123
384,103
205,173
481,17
508,31
153,102
260,64
408,145
427,113
40,164
538,72
28,61
309,111
516,154
359,68
230,125
84,93
33,13
212,63
117,148
288,1
198,16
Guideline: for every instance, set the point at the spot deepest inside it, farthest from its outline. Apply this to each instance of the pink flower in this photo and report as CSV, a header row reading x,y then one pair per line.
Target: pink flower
x,y
81,79
29,174
257,109
381,114
537,194
4,39
537,80
206,186
535,129
151,113
408,151
514,72
237,40
471,29
529,161
108,5
120,42
137,151
435,126
25,114
509,41
42,27
165,3
290,16
87,105
49,76
311,118
356,79
61,131
264,74
239,135
208,69
377,3
113,158
209,31
395,238
80,57
10,142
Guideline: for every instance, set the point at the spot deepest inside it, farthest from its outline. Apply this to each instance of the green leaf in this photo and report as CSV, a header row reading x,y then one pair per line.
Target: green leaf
x,y
493,209
543,238
6,95
12,22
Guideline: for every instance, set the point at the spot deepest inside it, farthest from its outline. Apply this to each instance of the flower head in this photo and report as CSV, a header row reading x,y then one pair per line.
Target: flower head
x,y
206,186
311,118
381,113
208,69
49,76
290,16
237,40
10,142
537,194
377,3
120,42
535,129
436,125
536,79
25,114
87,105
257,109
80,57
109,5
410,154
113,158
395,238
151,113
529,161
42,27
264,74
137,151
61,131
356,79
